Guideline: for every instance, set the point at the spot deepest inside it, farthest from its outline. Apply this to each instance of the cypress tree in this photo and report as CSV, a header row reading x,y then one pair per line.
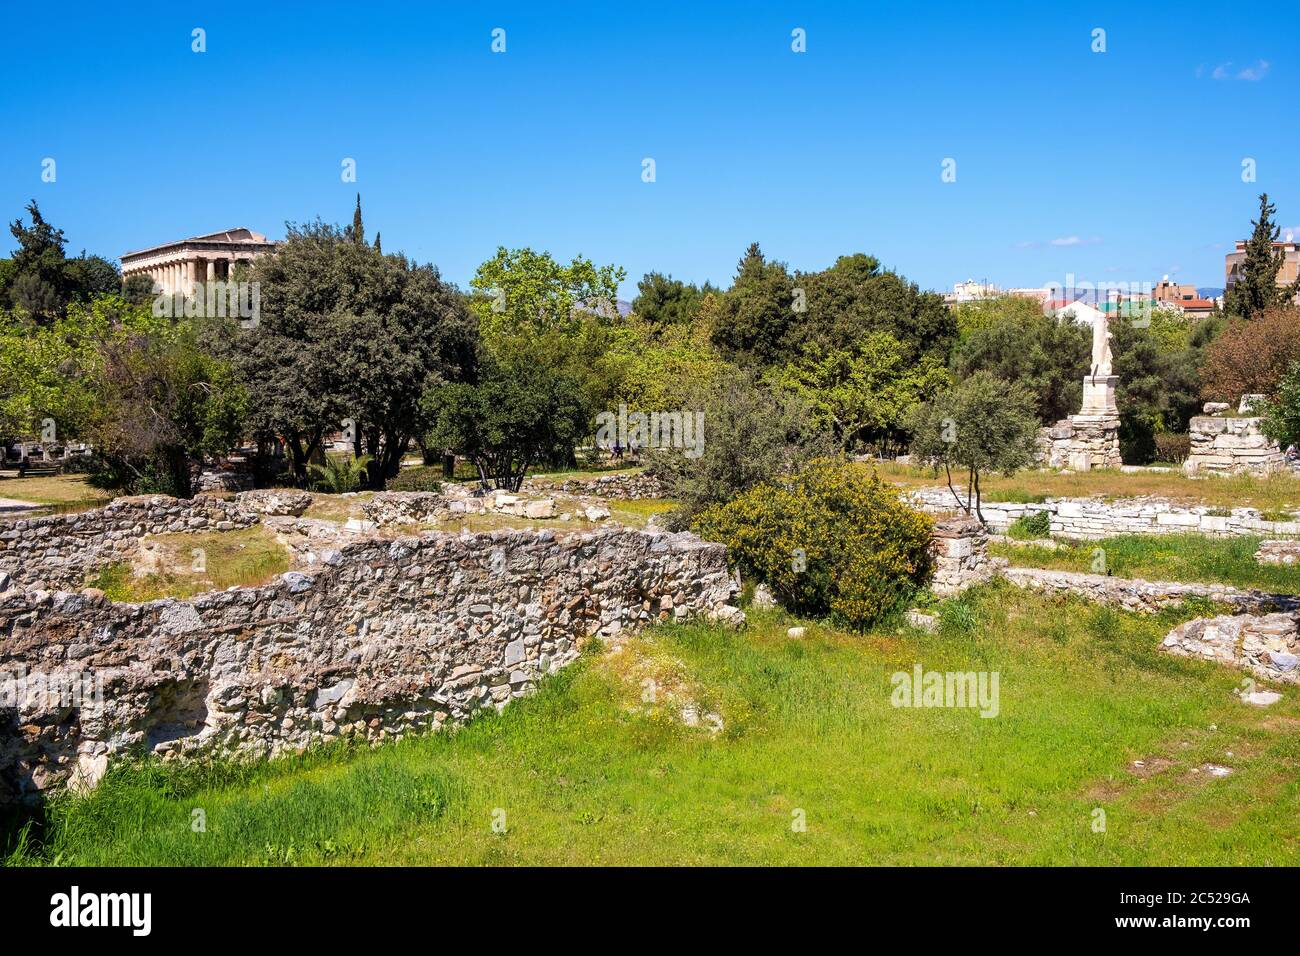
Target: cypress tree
x,y
1256,289
378,245
358,230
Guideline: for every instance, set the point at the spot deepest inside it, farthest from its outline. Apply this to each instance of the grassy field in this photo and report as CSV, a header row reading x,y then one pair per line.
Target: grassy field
x,y
1276,493
224,559
1175,557
585,772
62,492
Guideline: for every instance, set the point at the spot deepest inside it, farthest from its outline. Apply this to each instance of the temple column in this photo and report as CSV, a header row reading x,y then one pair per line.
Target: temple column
x,y
212,270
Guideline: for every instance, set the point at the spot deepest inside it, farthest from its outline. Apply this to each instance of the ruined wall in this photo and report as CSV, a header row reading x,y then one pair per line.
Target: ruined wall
x,y
380,638
1092,518
1135,594
1231,446
59,550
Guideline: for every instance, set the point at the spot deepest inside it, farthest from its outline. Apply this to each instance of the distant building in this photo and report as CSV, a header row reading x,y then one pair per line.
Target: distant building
x,y
970,291
1166,291
179,266
1234,260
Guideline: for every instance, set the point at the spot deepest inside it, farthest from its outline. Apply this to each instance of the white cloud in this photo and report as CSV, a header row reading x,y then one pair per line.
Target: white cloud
x,y
1067,241
1224,71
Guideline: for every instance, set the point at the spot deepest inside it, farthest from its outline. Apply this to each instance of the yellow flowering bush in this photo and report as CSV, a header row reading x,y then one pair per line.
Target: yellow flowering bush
x,y
833,540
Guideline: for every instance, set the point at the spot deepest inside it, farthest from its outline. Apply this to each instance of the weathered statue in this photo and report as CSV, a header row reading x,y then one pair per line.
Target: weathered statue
x,y
1101,357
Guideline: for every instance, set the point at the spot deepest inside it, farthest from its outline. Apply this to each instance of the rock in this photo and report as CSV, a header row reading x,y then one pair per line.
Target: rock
x,y
1262,698
796,632
923,621
545,508
1215,408
763,599
596,513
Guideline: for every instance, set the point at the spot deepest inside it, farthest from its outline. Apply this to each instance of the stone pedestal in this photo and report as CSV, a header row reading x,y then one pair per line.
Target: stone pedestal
x,y
1230,446
1099,395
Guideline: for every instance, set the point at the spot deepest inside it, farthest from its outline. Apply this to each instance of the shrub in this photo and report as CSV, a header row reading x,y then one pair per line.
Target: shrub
x,y
1173,447
419,478
830,540
1030,526
339,475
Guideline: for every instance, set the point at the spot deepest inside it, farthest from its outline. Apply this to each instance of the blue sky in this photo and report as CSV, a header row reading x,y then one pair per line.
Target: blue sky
x,y
1115,166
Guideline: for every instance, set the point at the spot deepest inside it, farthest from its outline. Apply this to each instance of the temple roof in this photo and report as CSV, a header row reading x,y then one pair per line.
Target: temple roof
x,y
239,234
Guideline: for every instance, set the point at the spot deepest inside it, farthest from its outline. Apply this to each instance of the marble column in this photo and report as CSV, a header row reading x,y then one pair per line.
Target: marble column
x,y
212,270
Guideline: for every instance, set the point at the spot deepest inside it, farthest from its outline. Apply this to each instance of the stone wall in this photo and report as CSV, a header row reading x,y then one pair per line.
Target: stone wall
x,y
623,487
1231,446
1093,518
59,550
1134,594
381,638
1278,552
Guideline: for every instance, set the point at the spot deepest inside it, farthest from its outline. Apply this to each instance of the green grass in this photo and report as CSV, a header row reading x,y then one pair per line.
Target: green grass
x,y
585,773
245,558
1192,558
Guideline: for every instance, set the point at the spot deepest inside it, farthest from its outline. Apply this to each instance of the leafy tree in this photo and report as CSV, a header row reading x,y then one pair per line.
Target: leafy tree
x,y
89,277
1251,355
1256,289
1047,355
751,434
1158,381
856,297
513,417
1282,413
982,424
978,314
346,333
864,393
139,389
37,280
522,293
756,313
41,281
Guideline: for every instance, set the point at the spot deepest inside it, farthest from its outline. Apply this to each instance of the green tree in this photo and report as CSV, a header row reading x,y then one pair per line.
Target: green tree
x,y
982,424
520,293
139,389
1256,289
856,297
513,417
346,333
36,279
1047,355
752,433
358,233
864,393
756,313
663,301
1282,412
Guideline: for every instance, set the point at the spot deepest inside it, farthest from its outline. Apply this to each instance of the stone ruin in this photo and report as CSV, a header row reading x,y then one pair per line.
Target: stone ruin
x,y
377,638
961,556
1230,445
